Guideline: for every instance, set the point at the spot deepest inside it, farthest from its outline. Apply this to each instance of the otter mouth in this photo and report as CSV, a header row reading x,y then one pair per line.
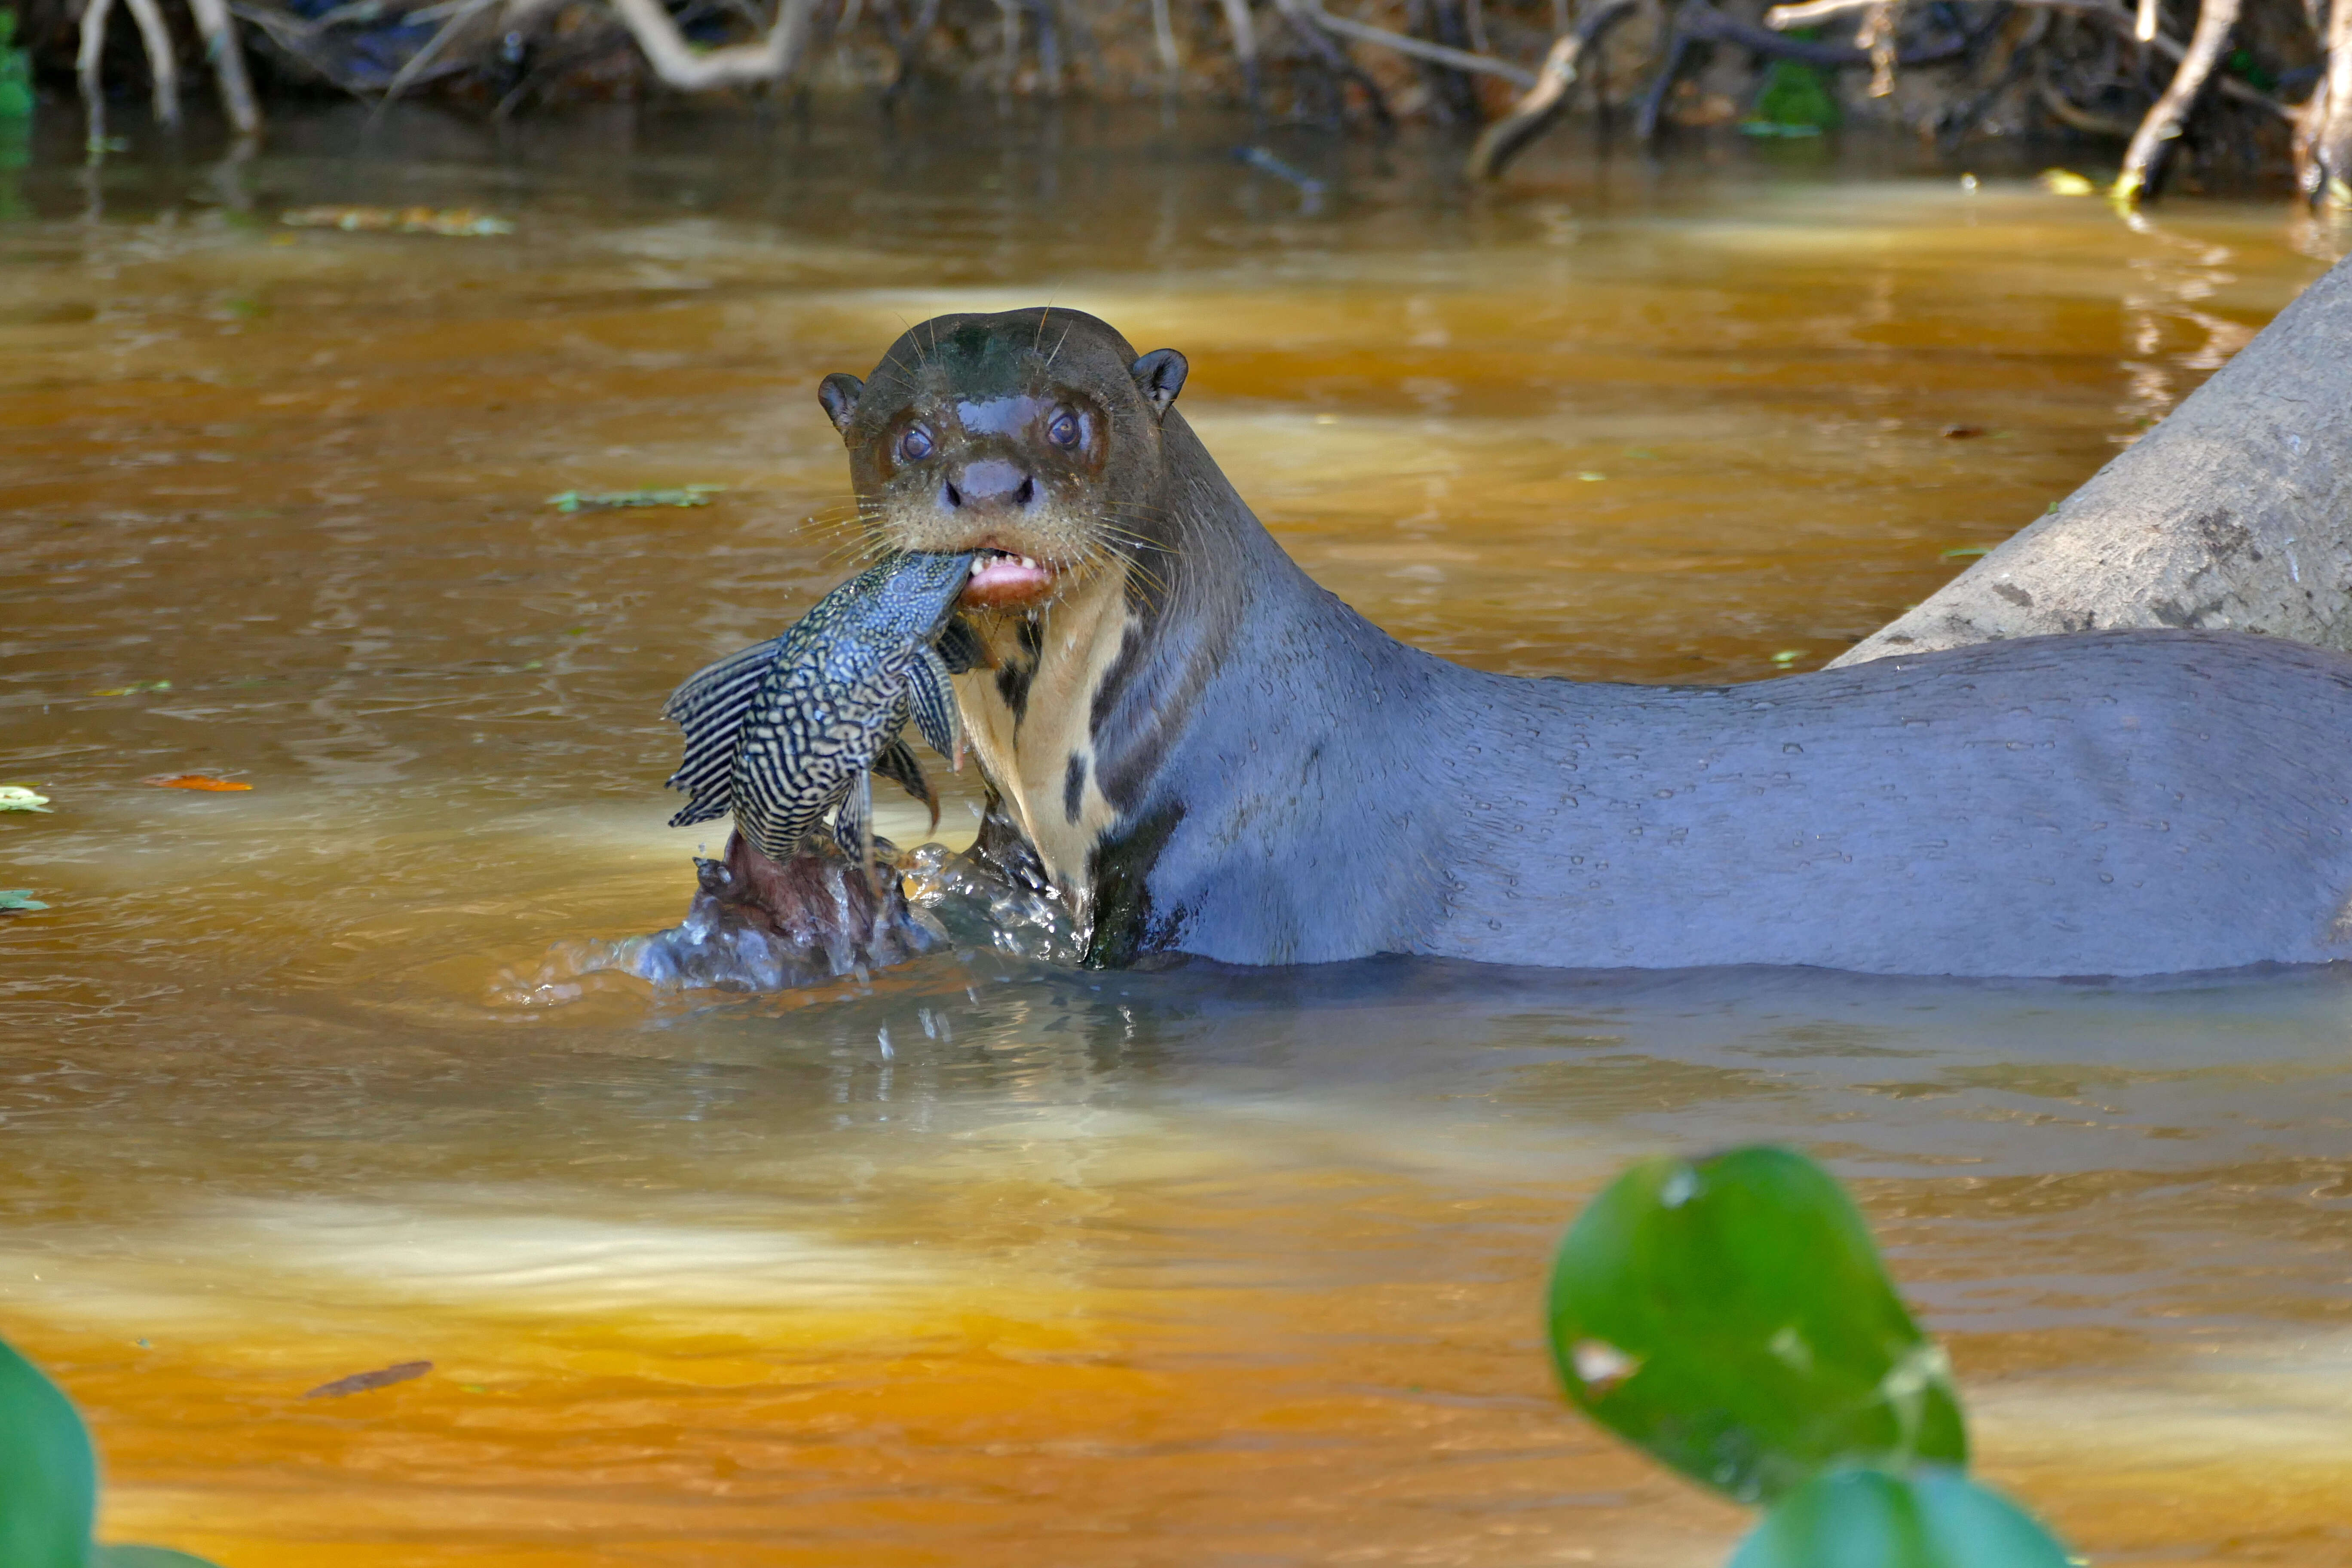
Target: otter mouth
x,y
1001,577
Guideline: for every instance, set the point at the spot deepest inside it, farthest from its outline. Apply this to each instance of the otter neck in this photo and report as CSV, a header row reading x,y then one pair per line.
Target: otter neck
x,y
1027,714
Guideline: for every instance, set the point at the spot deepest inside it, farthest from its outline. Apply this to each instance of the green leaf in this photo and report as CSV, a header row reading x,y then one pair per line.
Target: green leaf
x,y
48,1476
1731,1316
124,1556
19,899
1867,1519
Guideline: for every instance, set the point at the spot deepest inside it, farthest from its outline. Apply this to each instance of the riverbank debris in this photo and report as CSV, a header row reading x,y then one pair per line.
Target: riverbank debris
x,y
12,899
621,501
2064,182
193,781
17,797
362,1382
136,688
457,222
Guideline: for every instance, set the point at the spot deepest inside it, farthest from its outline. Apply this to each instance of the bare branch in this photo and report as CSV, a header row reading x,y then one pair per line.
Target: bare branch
x,y
93,91
2144,159
417,64
2115,15
227,56
690,70
1437,53
163,60
1541,104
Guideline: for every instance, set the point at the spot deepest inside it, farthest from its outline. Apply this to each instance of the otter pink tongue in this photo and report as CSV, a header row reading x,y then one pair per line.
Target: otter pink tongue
x,y
999,576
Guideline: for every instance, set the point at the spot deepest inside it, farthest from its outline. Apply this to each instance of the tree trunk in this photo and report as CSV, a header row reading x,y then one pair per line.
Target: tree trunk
x,y
2233,513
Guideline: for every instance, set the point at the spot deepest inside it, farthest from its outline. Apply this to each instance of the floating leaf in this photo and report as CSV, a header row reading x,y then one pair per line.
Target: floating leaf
x,y
617,500
48,1476
360,1382
18,899
17,797
462,223
1731,1316
193,781
1963,552
2065,183
1788,655
133,689
1867,1519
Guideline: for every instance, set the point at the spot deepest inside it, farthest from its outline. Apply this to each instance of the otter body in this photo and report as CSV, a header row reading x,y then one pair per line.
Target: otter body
x,y
1206,753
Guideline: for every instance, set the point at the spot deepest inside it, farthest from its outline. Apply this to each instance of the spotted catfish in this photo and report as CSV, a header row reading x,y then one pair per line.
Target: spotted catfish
x,y
784,732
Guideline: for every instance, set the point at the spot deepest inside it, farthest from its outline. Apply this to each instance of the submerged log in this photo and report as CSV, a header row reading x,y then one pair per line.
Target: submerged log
x,y
2235,513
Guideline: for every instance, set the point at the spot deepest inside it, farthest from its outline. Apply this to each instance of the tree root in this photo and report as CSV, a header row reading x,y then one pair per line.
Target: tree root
x,y
1541,104
688,70
222,49
2322,129
2144,162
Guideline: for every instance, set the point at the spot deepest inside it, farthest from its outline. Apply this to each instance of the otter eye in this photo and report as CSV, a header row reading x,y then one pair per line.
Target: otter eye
x,y
1063,429
915,444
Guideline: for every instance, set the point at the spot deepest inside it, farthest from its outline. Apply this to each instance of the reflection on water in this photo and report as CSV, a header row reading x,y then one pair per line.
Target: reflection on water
x,y
982,1260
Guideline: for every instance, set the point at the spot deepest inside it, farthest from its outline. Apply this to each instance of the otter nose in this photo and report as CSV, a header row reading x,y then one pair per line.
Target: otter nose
x,y
989,484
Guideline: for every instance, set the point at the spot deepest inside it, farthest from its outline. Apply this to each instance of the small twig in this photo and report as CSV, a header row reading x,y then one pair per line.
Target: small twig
x,y
2116,16
1303,19
1164,44
163,60
2067,112
2144,159
1701,20
417,64
907,45
1245,32
93,94
1653,101
1010,11
2323,130
1541,104
1437,53
688,70
1876,39
226,54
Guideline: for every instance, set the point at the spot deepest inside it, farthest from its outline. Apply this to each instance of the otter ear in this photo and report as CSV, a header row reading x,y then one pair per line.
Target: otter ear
x,y
838,392
1160,375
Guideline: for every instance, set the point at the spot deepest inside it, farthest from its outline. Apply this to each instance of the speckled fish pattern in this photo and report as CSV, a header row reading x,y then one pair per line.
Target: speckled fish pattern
x,y
785,731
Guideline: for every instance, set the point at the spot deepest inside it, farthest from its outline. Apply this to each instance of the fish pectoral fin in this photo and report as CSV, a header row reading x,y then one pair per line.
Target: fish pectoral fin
x,y
896,761
931,698
958,646
852,825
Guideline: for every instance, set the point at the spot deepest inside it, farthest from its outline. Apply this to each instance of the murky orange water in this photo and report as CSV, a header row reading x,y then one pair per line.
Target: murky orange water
x,y
1197,1267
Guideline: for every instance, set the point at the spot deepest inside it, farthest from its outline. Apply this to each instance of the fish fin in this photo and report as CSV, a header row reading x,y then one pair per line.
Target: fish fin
x,y
932,701
710,708
896,762
698,811
852,825
960,647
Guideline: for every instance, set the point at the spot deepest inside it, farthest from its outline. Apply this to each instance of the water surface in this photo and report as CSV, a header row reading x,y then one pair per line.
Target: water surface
x,y
979,1262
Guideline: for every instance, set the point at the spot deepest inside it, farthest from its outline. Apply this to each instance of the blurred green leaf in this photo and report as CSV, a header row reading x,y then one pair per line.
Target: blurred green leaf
x,y
125,1556
1867,1519
1731,1316
48,1476
16,72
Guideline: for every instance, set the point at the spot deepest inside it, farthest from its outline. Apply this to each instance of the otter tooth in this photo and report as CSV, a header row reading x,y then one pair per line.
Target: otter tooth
x,y
1028,563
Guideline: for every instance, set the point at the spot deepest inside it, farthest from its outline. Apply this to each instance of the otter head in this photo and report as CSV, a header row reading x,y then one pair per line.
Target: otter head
x,y
1031,436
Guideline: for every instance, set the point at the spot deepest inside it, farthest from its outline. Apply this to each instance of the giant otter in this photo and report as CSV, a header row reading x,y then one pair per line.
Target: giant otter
x,y
1205,752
